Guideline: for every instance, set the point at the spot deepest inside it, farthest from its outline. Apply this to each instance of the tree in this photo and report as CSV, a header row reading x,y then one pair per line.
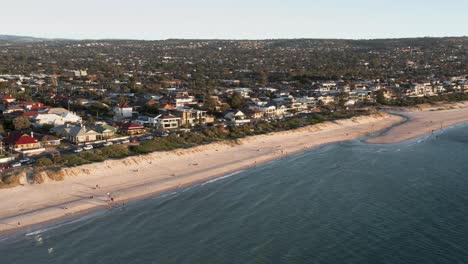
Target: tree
x,y
209,104
236,101
123,100
380,98
90,121
21,123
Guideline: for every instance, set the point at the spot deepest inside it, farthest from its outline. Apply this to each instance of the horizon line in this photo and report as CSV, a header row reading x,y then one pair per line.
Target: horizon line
x,y
233,39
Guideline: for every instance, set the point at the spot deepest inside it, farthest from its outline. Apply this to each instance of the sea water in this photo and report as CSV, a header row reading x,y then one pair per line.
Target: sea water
x,y
347,203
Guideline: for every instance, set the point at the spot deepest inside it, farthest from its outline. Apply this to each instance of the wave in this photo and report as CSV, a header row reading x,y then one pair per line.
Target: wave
x,y
40,231
222,177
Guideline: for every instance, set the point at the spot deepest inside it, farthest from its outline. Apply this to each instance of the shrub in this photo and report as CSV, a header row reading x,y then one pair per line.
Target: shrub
x,y
73,160
115,151
44,162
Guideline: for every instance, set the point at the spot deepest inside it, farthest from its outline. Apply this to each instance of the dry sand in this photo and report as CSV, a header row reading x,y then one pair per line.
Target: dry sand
x,y
424,120
139,176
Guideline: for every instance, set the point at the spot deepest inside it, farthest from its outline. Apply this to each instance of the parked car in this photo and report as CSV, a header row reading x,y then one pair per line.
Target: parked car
x,y
25,160
108,143
125,141
78,149
88,147
146,138
6,167
16,164
31,161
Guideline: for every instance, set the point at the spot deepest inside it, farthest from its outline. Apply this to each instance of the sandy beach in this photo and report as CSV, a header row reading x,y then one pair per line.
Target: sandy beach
x,y
91,186
140,176
422,121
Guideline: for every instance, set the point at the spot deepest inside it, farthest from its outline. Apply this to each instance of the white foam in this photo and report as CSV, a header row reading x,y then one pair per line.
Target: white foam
x,y
40,231
222,177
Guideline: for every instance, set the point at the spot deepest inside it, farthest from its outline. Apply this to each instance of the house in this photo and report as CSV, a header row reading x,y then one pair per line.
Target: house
x,y
57,120
13,109
181,99
33,106
236,117
129,128
190,116
106,130
166,121
122,111
8,99
77,134
253,113
19,141
49,140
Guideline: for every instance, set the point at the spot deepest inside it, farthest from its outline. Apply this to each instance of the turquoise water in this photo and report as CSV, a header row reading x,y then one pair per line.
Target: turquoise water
x,y
343,203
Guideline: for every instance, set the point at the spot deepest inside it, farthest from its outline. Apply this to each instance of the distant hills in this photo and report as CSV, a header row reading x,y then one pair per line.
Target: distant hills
x,y
11,38
28,39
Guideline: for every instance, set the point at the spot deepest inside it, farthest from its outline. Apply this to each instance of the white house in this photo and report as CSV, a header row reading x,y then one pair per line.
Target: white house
x,y
236,117
165,121
122,111
57,120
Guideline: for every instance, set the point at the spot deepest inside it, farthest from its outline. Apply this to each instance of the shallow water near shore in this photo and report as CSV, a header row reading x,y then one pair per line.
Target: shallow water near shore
x,y
350,202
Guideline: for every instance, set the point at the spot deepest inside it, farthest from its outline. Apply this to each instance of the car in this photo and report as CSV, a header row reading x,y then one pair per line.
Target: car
x,y
31,161
125,141
78,149
108,143
88,147
146,138
6,167
25,160
16,164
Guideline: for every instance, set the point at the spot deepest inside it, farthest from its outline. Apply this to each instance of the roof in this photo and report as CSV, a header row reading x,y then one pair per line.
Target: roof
x,y
130,126
18,138
124,106
49,138
169,116
168,106
57,111
30,113
78,131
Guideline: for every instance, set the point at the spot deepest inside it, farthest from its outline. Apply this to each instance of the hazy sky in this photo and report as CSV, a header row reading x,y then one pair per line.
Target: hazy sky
x,y
240,19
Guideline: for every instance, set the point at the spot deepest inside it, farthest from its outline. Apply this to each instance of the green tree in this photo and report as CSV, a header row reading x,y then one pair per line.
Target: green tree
x,y
380,98
21,123
209,104
236,101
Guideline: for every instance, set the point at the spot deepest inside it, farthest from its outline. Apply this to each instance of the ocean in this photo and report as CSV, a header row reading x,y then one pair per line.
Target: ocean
x,y
350,202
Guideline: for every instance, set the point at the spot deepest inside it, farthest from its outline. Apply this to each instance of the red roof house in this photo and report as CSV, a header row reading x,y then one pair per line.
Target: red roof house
x,y
20,141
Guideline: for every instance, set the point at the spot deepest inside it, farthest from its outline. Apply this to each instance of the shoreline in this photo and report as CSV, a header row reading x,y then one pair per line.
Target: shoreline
x,y
160,172
140,177
422,121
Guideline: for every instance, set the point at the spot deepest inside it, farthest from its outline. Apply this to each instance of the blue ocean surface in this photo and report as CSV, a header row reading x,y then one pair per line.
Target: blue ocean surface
x,y
350,202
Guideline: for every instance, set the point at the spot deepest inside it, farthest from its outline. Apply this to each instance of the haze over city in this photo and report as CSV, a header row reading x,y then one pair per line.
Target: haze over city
x,y
241,19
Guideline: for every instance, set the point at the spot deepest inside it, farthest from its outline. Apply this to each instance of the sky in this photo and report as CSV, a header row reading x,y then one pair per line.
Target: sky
x,y
233,19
